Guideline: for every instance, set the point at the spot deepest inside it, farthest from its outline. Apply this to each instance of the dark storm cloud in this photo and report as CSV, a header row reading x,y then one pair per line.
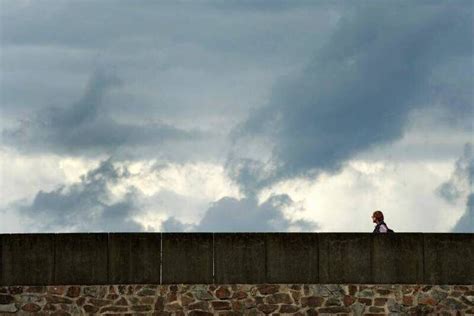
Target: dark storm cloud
x,y
84,206
461,186
244,215
84,128
361,86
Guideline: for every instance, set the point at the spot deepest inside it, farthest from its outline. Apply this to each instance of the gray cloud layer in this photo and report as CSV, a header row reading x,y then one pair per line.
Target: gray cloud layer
x,y
244,215
84,128
460,186
195,70
84,206
361,87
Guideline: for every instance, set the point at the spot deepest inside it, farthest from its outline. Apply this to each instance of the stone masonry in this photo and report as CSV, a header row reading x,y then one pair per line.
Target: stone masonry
x,y
238,299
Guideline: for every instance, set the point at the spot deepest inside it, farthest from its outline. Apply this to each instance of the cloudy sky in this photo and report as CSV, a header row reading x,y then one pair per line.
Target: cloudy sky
x,y
255,116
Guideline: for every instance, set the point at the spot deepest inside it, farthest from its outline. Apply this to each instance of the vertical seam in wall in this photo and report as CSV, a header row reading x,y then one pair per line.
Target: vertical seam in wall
x,y
108,258
265,272
372,268
317,253
161,258
213,259
423,278
54,259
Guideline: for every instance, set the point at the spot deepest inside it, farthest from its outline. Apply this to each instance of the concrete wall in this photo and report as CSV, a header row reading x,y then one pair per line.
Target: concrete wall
x,y
204,258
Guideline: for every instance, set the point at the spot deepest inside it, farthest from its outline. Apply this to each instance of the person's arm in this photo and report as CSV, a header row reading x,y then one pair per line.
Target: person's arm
x,y
382,229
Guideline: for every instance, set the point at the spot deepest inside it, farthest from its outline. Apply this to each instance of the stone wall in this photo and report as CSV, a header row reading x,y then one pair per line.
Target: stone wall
x,y
238,299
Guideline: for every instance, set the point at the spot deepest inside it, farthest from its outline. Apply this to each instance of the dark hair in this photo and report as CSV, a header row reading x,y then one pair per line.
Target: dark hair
x,y
378,215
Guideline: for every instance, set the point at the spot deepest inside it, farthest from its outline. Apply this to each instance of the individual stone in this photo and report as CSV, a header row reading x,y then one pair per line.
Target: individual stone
x,y
30,298
311,301
112,296
99,302
408,300
173,307
112,289
94,291
380,301
147,292
394,306
426,299
295,287
186,300
438,295
358,309
122,302
336,290
266,289
333,301
140,308
199,313
231,313
73,291
91,308
279,298
366,293
53,299
202,294
31,307
384,292
35,289
318,290
223,292
15,289
366,301
57,290
202,305
348,300
172,297
352,289
114,309
375,309
296,296
259,299
461,288
468,299
249,303
288,308
160,304
221,305
49,307
237,305
239,295
454,304
147,300
311,312
8,308
335,309
6,299
267,308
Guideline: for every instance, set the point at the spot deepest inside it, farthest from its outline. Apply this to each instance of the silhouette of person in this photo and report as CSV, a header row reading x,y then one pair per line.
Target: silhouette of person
x,y
380,227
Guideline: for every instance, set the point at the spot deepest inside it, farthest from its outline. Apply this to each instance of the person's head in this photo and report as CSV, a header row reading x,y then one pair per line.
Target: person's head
x,y
377,217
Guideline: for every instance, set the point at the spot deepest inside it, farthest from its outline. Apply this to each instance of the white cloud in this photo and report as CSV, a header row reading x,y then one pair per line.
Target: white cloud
x,y
404,191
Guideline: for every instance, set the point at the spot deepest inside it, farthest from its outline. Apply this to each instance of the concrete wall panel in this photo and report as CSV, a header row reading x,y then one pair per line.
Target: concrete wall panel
x,y
187,258
239,257
134,258
27,259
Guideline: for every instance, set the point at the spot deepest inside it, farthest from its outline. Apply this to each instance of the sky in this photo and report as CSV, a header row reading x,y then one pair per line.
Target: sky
x,y
236,116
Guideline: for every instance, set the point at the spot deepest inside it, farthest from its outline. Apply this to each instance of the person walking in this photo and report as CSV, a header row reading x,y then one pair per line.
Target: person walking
x,y
380,227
